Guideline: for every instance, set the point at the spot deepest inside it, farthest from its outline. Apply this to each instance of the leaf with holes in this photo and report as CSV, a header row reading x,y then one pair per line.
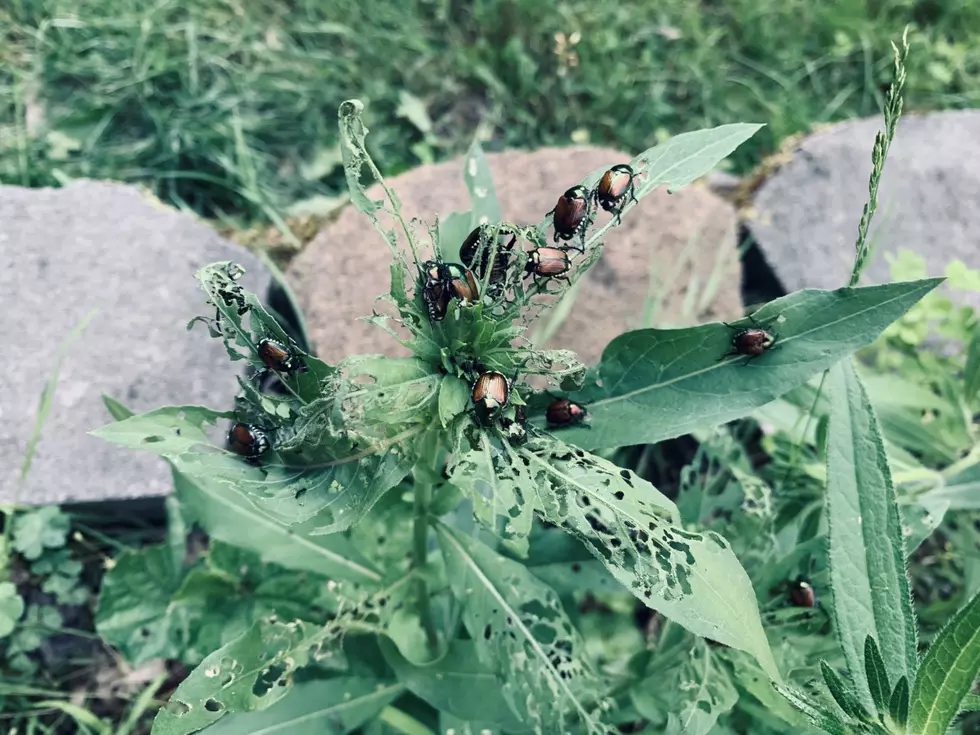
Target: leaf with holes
x,y
219,509
948,671
689,694
335,706
867,546
522,634
655,384
693,579
501,489
337,489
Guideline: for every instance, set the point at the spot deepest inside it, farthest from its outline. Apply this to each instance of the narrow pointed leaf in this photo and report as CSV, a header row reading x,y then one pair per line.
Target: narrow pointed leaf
x,y
826,721
867,546
874,669
898,703
970,703
842,695
947,673
654,384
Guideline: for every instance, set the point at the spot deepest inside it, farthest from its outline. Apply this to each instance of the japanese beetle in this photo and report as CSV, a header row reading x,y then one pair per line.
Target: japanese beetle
x,y
462,284
614,186
491,392
751,342
572,214
277,357
435,290
801,593
563,412
470,249
248,441
547,262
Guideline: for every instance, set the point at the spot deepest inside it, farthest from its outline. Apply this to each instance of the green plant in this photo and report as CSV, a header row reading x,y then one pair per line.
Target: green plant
x,y
380,466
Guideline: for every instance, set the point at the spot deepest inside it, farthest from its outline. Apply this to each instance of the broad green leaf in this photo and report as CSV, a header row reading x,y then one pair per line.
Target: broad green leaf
x,y
327,706
132,614
654,384
11,608
460,684
454,398
693,579
947,673
867,545
484,207
688,696
229,517
521,633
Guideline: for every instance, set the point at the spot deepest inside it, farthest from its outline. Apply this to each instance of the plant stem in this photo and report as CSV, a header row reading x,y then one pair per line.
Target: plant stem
x,y
420,554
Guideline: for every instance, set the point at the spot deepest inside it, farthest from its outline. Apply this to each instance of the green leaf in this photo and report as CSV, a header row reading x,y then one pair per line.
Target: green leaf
x,y
460,683
876,674
654,384
132,612
454,398
970,703
522,633
971,372
898,703
691,694
229,517
451,723
961,491
327,707
40,529
948,671
484,207
867,546
336,492
453,229
689,156
241,676
11,608
693,579
842,694
826,721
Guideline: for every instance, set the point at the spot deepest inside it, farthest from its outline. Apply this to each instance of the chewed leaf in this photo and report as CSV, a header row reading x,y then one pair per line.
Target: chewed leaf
x,y
501,489
691,578
168,431
337,494
692,694
654,384
522,633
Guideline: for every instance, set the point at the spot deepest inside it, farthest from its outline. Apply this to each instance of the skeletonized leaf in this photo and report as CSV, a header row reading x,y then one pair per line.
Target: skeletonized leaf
x,y
654,384
485,208
522,633
948,671
693,692
693,579
867,546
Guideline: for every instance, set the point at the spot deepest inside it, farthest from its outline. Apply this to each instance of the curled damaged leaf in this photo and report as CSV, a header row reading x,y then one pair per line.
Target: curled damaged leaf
x,y
693,579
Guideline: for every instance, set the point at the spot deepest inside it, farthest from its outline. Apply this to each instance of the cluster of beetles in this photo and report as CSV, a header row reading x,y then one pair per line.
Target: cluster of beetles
x,y
442,282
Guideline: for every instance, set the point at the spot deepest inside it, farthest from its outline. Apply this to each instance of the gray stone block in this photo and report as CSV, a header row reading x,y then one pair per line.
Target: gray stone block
x,y
805,216
97,245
